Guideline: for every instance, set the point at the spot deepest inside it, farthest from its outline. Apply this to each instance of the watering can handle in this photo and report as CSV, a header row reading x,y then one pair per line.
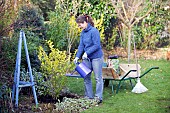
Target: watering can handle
x,y
77,63
86,59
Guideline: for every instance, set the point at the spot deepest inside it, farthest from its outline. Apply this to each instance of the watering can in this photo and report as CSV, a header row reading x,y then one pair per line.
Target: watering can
x,y
82,69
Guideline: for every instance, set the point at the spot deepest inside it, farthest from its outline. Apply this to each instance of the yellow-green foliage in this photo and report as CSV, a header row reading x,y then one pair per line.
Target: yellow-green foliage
x,y
99,25
74,30
54,66
73,33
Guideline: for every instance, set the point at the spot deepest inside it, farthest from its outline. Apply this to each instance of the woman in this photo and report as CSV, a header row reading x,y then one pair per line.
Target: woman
x,y
91,52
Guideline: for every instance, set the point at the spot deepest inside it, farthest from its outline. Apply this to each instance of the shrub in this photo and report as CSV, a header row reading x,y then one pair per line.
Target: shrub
x,y
30,19
5,98
57,28
54,65
98,23
7,59
148,32
31,22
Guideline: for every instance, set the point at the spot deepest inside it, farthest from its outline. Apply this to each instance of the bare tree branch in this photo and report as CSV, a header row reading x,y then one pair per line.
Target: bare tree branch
x,y
140,18
118,11
135,8
124,11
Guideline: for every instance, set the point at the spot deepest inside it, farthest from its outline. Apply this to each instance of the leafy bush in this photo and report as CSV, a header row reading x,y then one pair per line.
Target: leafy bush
x,y
38,79
97,7
147,33
31,22
98,23
5,98
7,59
45,5
57,28
30,19
54,65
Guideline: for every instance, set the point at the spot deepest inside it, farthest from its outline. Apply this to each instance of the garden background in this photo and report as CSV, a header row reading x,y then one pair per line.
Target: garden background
x,y
53,36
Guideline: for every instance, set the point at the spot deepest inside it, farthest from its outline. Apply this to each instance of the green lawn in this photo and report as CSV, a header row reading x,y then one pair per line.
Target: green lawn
x,y
155,100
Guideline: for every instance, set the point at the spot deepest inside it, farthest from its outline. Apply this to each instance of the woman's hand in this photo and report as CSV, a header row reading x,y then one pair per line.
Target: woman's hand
x,y
76,60
84,55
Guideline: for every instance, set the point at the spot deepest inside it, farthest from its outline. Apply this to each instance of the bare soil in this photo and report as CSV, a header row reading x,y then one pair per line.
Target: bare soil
x,y
141,54
45,103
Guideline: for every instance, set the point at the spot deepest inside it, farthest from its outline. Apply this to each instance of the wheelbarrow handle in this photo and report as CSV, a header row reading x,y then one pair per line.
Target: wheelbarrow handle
x,y
155,67
148,71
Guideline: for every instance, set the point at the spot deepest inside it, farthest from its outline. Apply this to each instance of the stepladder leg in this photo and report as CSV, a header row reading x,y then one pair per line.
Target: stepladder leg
x,y
13,92
17,93
35,96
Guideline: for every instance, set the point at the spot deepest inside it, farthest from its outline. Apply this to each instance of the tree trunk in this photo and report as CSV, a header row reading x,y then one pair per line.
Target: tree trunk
x,y
129,43
69,50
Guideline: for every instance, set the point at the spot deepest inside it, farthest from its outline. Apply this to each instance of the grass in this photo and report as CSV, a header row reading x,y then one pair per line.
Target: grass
x,y
155,100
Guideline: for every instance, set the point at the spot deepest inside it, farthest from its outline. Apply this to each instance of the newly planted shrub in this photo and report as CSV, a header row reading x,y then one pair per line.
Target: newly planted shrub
x,y
53,66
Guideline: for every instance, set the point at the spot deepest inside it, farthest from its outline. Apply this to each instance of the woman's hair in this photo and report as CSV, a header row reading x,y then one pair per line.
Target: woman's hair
x,y
85,18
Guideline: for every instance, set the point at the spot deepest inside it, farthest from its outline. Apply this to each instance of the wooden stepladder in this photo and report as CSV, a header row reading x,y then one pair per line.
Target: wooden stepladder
x,y
17,83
